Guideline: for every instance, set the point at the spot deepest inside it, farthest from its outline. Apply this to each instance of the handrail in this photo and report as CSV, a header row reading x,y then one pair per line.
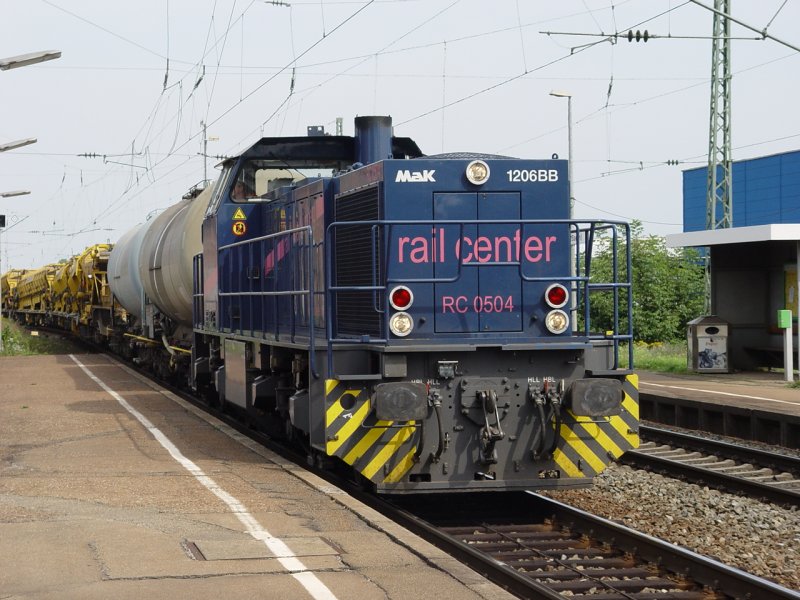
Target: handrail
x,y
581,234
198,292
308,238
580,230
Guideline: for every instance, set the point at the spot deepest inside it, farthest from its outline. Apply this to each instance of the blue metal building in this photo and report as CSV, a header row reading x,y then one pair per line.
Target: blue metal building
x,y
766,191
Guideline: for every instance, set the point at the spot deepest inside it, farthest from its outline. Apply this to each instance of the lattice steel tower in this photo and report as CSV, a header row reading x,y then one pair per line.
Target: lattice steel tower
x,y
719,209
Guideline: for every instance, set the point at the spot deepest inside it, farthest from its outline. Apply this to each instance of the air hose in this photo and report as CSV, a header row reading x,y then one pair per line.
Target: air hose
x,y
436,455
540,434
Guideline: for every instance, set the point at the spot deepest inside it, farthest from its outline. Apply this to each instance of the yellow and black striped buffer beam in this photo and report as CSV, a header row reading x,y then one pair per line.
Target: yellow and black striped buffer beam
x,y
588,445
382,451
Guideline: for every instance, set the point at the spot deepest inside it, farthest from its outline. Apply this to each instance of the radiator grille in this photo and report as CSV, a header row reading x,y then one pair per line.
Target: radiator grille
x,y
358,263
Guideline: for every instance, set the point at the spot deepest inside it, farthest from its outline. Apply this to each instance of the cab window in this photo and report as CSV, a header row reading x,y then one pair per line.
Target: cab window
x,y
217,195
255,178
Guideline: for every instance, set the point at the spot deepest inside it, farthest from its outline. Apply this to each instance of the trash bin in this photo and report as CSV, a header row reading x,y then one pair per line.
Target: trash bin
x,y
707,341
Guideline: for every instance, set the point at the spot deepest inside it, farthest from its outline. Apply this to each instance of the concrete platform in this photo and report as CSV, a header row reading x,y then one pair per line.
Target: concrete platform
x,y
759,390
94,503
755,405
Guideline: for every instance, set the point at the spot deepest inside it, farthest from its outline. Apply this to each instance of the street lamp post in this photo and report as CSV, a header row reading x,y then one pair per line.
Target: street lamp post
x,y
2,226
13,62
17,144
23,60
570,172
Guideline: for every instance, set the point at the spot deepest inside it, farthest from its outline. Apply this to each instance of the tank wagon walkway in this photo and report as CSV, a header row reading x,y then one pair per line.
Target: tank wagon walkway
x,y
111,487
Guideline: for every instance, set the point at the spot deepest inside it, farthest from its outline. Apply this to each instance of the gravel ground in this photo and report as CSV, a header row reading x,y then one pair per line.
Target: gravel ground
x,y
751,535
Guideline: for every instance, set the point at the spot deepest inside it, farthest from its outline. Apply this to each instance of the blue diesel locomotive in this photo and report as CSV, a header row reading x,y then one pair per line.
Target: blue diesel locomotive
x,y
421,319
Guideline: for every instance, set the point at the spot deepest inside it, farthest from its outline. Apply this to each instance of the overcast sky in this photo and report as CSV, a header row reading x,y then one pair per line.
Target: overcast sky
x,y
136,79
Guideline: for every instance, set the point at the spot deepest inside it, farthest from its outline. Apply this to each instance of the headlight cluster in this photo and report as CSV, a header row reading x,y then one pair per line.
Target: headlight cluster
x,y
557,320
401,323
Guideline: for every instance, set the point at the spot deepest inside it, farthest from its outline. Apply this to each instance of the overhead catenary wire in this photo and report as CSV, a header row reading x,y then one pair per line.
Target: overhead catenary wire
x,y
386,47
763,32
573,51
225,112
161,170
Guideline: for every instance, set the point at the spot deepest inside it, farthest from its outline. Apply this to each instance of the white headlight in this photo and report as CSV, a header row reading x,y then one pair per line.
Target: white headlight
x,y
401,324
556,321
477,172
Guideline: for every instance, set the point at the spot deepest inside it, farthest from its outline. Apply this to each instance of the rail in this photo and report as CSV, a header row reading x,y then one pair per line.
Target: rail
x,y
537,547
723,465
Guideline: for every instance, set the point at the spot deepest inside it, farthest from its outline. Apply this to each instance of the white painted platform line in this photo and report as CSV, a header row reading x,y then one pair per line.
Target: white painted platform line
x,y
315,587
688,389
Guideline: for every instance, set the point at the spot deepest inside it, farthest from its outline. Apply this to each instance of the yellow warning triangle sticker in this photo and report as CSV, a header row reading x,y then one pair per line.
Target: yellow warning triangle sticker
x,y
239,215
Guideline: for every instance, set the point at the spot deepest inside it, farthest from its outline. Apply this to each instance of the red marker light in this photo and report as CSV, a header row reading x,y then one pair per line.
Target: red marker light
x,y
401,298
556,295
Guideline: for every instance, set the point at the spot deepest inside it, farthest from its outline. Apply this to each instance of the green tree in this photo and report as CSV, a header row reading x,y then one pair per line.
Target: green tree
x,y
668,287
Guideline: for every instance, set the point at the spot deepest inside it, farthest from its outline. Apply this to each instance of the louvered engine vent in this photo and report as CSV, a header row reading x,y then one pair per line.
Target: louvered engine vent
x,y
358,263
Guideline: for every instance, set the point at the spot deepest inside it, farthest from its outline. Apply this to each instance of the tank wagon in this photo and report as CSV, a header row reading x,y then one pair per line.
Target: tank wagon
x,y
422,321
150,273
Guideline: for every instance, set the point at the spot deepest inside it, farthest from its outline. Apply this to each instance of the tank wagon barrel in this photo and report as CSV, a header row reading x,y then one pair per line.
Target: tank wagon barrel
x,y
165,262
150,269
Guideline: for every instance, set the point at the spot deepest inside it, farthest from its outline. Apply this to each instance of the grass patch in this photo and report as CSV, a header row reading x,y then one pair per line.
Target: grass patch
x,y
18,341
663,357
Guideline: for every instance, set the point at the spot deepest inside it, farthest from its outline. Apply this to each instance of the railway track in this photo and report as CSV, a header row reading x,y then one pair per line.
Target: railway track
x,y
724,465
540,548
